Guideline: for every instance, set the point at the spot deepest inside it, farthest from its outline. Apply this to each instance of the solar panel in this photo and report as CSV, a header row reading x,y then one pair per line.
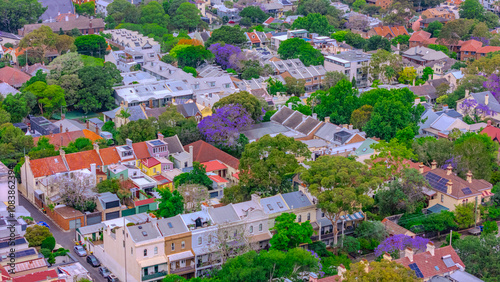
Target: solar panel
x,y
415,268
466,191
156,142
448,261
170,225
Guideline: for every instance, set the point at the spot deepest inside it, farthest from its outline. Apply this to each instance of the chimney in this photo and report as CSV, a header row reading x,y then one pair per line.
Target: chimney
x,y
489,122
66,18
313,277
255,198
67,129
327,119
350,126
409,254
421,168
449,187
398,46
417,101
445,107
90,23
367,265
128,142
467,93
60,128
433,164
449,169
96,147
486,99
315,116
160,136
387,256
431,248
61,152
341,270
469,176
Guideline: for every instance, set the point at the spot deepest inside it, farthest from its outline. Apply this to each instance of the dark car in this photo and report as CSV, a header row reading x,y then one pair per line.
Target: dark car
x,y
92,260
104,271
112,278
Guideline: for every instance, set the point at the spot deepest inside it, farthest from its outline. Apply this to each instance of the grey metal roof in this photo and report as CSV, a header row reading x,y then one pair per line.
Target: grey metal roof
x,y
296,200
492,102
174,144
281,115
171,226
107,197
352,56
273,204
136,113
294,120
188,109
143,232
89,229
225,214
462,276
256,131
308,125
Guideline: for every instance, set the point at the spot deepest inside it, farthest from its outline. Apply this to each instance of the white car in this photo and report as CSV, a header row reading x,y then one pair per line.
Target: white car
x,y
80,251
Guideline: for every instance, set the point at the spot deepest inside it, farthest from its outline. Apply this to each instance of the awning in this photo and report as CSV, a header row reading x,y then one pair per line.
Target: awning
x,y
344,218
487,194
437,208
261,237
152,261
179,256
428,192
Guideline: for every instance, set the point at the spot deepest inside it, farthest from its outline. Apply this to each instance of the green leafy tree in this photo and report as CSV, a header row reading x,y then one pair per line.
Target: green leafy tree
x,y
173,277
187,17
43,149
50,97
361,116
350,245
254,13
14,14
434,28
171,123
138,131
338,102
332,78
191,70
371,230
314,22
379,271
229,35
275,86
290,234
297,105
480,256
294,48
430,149
471,9
87,8
170,203
337,191
477,153
455,30
407,75
16,106
248,101
36,234
193,56
153,13
92,45
439,47
196,176
358,4
295,87
267,165
401,39
464,215
48,243
377,42
490,227
109,185
428,73
80,144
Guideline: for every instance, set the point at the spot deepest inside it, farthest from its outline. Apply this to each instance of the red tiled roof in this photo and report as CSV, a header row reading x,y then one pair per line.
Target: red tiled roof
x,y
37,276
269,20
471,45
83,160
141,150
150,162
213,166
236,175
162,179
5,274
13,77
334,278
204,152
47,166
427,263
109,156
431,41
30,265
217,179
493,132
393,31
488,49
65,138
420,36
144,202
62,17
399,30
253,37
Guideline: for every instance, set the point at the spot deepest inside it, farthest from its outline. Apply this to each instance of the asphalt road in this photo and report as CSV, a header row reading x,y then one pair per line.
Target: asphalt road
x,y
63,238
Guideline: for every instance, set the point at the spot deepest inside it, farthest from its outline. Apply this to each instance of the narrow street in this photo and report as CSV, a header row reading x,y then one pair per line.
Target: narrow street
x,y
63,238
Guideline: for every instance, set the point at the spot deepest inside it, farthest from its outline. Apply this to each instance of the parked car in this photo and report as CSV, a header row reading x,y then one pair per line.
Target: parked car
x,y
112,278
92,260
104,271
80,251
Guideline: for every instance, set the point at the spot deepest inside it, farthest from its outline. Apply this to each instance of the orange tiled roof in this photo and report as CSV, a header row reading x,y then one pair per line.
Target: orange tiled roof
x,y
13,77
388,30
217,179
150,162
488,49
213,166
356,138
493,132
253,37
109,156
420,36
204,152
141,150
64,138
471,46
47,166
83,160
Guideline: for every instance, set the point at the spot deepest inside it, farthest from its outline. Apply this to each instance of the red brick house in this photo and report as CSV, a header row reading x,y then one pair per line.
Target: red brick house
x,y
418,38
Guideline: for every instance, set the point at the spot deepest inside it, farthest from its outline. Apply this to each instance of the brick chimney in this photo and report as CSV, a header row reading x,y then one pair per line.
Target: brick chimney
x,y
449,169
341,270
486,99
60,128
489,122
313,277
469,176
160,136
434,165
421,168
409,254
431,248
387,256
449,187
88,124
327,119
96,147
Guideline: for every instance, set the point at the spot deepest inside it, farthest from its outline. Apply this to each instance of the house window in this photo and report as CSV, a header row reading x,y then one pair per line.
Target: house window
x,y
154,169
199,240
131,251
186,164
251,229
299,219
145,252
156,250
183,244
227,85
442,198
322,214
308,216
173,246
260,227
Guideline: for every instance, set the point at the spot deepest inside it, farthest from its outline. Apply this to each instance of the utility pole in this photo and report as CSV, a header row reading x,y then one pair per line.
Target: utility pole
x,y
475,213
451,235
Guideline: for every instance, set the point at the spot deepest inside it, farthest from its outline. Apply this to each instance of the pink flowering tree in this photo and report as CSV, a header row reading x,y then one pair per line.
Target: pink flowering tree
x,y
226,55
400,242
222,128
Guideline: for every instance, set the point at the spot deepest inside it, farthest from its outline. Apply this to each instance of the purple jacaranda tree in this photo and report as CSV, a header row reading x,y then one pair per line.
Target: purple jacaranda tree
x,y
222,127
475,110
226,55
493,85
400,242
484,40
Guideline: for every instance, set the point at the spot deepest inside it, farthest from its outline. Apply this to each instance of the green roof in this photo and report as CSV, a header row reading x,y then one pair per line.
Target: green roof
x,y
365,149
437,208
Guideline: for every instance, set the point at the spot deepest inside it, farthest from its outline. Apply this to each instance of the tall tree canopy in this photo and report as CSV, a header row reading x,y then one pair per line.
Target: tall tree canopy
x,y
338,103
14,14
294,48
290,234
246,100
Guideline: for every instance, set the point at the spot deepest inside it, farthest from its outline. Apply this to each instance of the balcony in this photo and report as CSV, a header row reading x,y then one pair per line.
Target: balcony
x,y
154,275
182,269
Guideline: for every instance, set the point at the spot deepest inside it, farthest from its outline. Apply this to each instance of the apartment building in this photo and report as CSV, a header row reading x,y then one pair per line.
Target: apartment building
x,y
351,63
312,75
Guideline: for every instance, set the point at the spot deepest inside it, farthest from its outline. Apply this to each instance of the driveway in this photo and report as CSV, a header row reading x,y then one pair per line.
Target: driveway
x,y
63,238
